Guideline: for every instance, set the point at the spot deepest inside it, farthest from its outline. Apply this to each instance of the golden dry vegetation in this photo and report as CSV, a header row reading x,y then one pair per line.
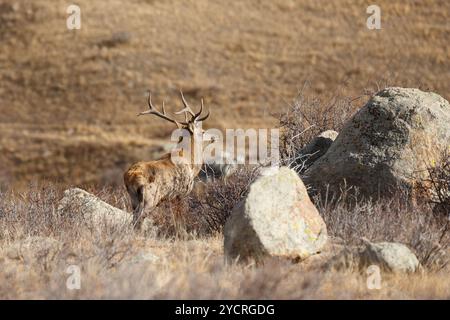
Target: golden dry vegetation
x,y
68,105
121,263
69,99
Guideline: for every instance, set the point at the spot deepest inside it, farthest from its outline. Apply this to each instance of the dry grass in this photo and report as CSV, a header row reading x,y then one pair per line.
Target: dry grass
x,y
68,102
123,263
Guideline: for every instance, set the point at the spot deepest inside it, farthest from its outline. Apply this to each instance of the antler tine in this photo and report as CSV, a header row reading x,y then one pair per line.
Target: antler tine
x,y
154,111
195,117
186,108
150,105
204,117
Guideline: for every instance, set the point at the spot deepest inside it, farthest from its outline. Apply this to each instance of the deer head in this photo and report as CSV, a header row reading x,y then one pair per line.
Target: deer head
x,y
192,120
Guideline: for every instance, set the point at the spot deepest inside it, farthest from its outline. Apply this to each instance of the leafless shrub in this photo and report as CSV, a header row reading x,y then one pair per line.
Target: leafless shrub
x,y
438,183
194,268
214,205
306,118
31,213
205,211
396,220
34,212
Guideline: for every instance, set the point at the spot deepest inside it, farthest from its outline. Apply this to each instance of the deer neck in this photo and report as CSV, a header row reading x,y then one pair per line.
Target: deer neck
x,y
192,156
196,153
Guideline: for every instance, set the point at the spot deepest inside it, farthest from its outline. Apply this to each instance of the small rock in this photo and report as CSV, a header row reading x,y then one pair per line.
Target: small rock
x,y
95,211
316,148
388,256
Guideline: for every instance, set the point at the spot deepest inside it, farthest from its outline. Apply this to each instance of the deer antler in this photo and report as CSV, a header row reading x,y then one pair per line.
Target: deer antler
x,y
163,115
205,116
187,110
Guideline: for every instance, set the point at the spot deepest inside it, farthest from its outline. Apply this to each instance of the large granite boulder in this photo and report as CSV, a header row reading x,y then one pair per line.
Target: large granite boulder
x,y
277,218
387,145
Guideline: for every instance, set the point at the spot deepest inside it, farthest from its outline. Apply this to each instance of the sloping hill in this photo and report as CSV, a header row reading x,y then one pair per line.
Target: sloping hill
x,y
68,99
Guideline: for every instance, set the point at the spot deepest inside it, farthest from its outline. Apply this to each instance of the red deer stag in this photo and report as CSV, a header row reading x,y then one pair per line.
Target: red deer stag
x,y
150,183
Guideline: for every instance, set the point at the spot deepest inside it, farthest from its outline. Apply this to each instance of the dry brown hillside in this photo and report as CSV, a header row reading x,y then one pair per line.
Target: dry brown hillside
x,y
68,99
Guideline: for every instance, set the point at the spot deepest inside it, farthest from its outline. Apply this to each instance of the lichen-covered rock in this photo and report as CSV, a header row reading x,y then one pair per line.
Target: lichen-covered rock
x,y
277,218
388,256
387,145
393,257
316,148
95,211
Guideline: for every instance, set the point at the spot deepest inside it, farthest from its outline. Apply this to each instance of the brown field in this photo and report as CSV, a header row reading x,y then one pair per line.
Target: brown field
x,y
69,99
121,263
68,105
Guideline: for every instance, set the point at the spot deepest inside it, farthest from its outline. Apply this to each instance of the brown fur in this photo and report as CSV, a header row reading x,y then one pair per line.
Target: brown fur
x,y
150,183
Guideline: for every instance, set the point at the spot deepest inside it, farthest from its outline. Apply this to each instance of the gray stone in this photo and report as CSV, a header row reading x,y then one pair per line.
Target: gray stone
x,y
387,145
277,218
316,148
388,256
95,211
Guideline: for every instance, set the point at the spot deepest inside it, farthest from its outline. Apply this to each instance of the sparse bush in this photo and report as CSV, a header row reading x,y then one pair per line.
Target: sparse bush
x,y
396,220
307,118
438,184
194,268
214,205
205,211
